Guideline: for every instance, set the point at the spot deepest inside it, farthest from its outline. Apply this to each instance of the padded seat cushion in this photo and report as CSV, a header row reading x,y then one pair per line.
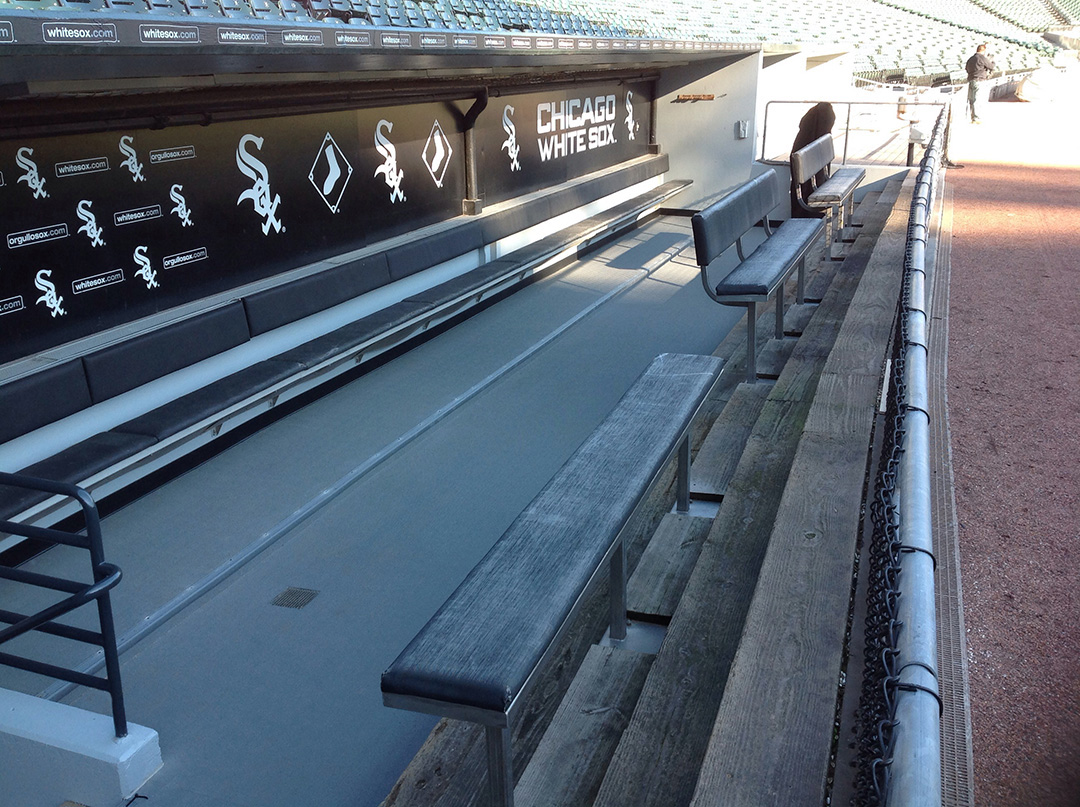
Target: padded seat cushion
x,y
479,649
300,298
73,465
46,396
205,402
838,187
766,267
139,360
349,336
462,285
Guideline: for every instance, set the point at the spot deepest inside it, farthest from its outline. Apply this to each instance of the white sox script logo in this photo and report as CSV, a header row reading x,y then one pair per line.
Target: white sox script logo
x,y
631,125
90,227
145,271
50,297
33,181
259,194
181,208
389,168
511,144
132,163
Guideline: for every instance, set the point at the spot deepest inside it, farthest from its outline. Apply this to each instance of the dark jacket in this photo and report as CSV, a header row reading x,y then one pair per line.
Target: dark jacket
x,y
979,67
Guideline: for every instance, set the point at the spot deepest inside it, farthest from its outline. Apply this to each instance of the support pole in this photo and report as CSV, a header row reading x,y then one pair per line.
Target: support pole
x,y
500,767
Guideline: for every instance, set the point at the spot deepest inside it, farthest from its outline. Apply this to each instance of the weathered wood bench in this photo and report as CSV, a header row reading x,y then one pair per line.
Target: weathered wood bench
x,y
764,271
835,195
109,417
480,653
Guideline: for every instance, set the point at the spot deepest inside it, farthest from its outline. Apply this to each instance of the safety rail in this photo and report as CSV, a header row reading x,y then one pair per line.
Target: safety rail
x,y
900,705
875,132
106,576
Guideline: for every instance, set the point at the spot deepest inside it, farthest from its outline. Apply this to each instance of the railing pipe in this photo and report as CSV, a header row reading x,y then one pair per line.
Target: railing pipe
x,y
106,576
915,779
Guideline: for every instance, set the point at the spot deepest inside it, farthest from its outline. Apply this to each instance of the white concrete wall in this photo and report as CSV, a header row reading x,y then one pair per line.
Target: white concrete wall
x,y
700,136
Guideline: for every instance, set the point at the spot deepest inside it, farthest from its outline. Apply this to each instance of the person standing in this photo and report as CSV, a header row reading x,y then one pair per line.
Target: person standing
x,y
979,67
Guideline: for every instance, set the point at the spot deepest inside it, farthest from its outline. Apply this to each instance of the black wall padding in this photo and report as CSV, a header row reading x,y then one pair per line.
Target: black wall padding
x,y
434,249
141,359
297,299
31,402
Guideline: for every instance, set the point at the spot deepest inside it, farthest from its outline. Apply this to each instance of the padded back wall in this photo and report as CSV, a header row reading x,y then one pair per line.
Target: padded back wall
x,y
103,229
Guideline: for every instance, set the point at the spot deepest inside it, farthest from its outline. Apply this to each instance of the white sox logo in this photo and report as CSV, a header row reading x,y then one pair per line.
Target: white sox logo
x,y
132,163
389,168
259,194
631,124
33,180
511,144
90,227
181,208
145,271
50,298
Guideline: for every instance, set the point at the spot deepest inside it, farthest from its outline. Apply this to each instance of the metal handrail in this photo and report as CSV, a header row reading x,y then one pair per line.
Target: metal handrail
x,y
904,101
900,704
106,576
916,752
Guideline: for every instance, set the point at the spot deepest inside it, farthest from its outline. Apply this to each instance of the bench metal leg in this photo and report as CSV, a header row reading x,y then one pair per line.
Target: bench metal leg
x,y
500,767
779,332
751,342
617,587
682,477
800,293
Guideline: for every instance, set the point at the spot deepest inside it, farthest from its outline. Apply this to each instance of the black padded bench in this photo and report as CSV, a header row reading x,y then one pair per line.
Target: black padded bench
x,y
835,195
477,657
118,454
764,271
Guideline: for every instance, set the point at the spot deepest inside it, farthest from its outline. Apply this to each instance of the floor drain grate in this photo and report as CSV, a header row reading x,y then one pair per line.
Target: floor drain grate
x,y
294,597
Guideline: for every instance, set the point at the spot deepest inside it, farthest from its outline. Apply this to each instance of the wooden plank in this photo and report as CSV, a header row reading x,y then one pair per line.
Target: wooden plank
x,y
572,758
844,404
797,317
719,454
772,739
659,580
673,719
773,734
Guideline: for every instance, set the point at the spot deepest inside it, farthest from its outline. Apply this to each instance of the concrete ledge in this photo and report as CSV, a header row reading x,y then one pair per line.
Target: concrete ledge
x,y
51,753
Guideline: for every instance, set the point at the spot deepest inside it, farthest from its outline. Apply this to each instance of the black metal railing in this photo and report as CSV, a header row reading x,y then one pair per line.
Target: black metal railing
x,y
105,575
899,745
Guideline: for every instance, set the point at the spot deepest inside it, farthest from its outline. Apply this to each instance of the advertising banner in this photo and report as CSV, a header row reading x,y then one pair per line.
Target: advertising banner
x,y
539,140
103,229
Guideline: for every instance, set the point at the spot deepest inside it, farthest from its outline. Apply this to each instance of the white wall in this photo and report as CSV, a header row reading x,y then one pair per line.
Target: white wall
x,y
700,136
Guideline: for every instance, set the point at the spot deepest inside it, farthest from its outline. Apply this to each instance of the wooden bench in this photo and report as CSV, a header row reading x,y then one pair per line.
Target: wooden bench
x,y
764,271
835,195
480,653
103,420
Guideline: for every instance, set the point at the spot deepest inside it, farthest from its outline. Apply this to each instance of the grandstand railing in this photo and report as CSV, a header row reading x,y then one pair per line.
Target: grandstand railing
x,y
866,132
105,575
899,747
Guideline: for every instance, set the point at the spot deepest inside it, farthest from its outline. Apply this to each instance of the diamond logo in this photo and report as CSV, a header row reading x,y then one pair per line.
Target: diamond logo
x,y
437,152
330,173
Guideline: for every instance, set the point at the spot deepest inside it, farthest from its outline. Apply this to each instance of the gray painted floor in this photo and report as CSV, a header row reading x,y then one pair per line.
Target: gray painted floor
x,y
380,496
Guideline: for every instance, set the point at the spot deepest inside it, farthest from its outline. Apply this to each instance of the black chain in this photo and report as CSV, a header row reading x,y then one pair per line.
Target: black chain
x,y
880,682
